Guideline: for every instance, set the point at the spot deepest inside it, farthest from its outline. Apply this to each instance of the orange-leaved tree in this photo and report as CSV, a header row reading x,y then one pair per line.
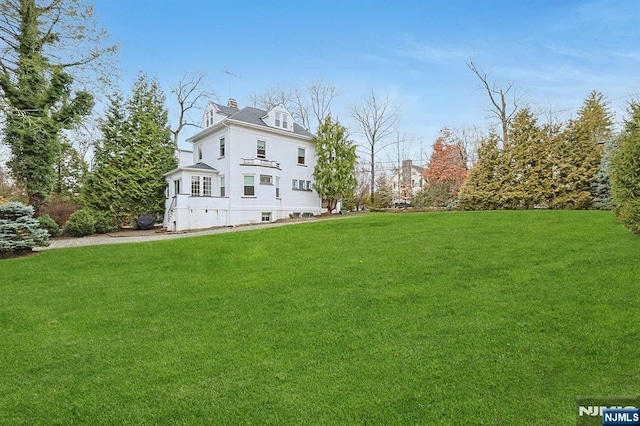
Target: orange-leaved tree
x,y
446,170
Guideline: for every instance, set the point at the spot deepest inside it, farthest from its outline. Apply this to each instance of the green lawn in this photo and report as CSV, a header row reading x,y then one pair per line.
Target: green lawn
x,y
427,318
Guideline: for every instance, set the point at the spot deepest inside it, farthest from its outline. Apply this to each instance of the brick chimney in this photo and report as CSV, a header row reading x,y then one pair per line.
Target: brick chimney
x,y
232,103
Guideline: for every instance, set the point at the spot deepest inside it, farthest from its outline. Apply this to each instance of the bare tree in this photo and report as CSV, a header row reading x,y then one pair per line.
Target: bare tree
x,y
272,97
503,106
469,139
189,95
315,99
321,96
376,118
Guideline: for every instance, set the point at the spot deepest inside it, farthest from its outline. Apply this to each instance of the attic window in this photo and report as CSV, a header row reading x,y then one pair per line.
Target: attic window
x,y
278,119
284,121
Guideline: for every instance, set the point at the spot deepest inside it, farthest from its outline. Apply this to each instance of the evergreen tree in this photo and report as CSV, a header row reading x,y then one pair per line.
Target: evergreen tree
x,y
39,45
70,169
136,150
625,175
481,189
580,153
601,188
530,167
335,163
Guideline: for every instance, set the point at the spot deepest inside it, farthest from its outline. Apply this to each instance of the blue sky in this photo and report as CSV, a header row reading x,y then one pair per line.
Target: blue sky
x,y
555,52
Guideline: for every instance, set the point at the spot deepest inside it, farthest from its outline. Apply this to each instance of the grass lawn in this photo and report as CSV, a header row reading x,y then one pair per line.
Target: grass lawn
x,y
427,318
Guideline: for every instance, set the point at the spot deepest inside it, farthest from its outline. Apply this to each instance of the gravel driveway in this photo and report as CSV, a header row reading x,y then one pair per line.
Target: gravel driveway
x,y
152,235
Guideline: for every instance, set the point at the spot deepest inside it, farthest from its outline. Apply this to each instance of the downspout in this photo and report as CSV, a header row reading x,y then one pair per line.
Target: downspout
x,y
227,154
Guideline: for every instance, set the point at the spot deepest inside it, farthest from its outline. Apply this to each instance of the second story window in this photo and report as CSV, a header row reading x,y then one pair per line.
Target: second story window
x,y
199,152
222,147
300,155
262,149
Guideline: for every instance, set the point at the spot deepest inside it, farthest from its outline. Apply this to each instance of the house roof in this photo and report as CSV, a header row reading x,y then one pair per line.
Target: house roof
x,y
254,116
200,166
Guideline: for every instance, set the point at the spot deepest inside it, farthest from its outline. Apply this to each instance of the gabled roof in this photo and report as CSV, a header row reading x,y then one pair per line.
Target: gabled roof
x,y
254,116
198,166
225,109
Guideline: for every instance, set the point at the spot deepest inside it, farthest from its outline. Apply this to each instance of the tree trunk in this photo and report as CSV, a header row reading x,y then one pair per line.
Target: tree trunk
x,y
373,173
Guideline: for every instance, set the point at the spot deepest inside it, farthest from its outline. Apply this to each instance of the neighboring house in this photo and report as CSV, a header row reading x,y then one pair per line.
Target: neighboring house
x,y
406,183
247,166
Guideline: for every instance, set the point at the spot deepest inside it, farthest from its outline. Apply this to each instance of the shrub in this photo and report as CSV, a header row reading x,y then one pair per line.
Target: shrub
x,y
19,231
80,224
50,225
103,224
60,209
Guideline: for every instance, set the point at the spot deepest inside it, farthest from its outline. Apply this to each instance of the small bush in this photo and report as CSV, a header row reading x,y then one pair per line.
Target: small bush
x,y
103,223
50,225
19,231
80,224
60,209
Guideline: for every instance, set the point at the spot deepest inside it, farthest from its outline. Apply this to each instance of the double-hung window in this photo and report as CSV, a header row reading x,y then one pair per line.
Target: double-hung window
x,y
277,187
301,153
223,189
278,119
249,186
284,121
222,146
262,149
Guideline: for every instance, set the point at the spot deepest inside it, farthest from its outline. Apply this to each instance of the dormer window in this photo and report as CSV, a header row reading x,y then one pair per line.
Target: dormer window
x,y
278,115
284,121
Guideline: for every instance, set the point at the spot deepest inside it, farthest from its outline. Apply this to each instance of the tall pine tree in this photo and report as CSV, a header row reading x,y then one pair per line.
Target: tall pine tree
x,y
335,163
136,150
481,189
580,153
625,175
40,106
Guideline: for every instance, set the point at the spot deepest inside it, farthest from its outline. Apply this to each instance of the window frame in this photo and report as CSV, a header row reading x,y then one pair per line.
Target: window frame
x,y
223,146
262,154
246,187
195,186
223,187
266,180
303,157
207,186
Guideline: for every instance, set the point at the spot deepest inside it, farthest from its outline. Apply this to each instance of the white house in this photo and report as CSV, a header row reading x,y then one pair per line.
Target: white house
x,y
406,182
247,166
